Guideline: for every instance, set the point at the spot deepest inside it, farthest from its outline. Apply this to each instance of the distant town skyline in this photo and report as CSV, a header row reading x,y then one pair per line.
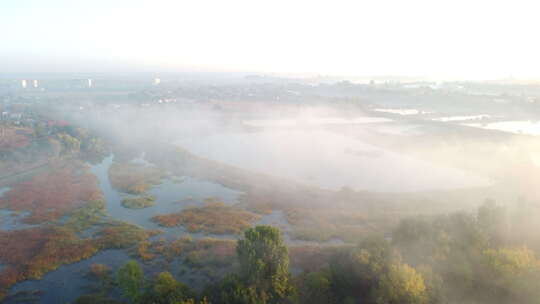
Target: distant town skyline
x,y
437,39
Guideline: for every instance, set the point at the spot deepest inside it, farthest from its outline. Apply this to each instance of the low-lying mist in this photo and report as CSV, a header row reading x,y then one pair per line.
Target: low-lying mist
x,y
306,145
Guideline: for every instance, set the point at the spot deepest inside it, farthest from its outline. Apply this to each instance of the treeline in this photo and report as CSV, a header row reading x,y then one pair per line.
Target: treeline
x,y
68,141
455,258
53,141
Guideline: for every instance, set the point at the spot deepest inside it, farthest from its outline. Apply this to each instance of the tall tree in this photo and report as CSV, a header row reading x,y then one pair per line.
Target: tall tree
x,y
264,263
167,290
131,281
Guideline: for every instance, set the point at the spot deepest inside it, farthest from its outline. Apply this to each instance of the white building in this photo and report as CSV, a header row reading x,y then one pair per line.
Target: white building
x,y
23,83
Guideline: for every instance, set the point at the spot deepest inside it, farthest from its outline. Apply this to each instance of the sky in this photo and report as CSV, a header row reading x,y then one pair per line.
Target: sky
x,y
471,39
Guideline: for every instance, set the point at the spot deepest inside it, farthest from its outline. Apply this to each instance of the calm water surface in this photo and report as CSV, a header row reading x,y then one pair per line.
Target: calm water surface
x,y
328,160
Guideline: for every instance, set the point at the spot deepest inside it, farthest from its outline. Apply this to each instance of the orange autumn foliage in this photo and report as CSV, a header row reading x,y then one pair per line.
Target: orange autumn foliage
x,y
30,253
122,235
213,218
52,194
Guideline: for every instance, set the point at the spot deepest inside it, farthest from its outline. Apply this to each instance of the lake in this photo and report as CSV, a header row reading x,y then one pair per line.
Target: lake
x,y
328,160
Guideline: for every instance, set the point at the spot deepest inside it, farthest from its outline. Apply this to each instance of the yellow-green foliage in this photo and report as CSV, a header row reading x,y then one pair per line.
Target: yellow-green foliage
x,y
507,262
86,216
214,218
401,284
516,271
139,202
122,235
134,178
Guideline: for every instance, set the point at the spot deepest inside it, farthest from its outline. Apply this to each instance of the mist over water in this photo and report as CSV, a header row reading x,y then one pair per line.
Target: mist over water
x,y
328,160
280,152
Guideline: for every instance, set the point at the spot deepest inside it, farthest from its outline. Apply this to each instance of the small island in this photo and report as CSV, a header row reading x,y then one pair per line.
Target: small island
x,y
139,202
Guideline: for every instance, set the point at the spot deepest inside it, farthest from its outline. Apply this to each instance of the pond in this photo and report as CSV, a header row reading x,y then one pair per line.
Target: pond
x,y
171,196
328,160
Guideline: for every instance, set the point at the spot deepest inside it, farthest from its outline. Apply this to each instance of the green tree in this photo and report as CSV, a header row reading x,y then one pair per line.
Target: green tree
x,y
402,284
232,290
166,290
264,263
71,144
316,287
131,281
373,273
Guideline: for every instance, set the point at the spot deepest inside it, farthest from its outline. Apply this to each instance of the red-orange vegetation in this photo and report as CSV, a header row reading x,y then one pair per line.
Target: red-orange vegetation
x,y
52,194
144,252
134,178
30,253
197,253
214,218
14,138
122,235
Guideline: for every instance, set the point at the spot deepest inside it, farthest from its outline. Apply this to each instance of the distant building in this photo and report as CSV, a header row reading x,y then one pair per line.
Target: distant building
x,y
35,83
23,83
157,81
89,83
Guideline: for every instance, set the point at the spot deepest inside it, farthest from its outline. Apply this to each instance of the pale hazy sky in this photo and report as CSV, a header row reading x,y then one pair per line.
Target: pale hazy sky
x,y
468,39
